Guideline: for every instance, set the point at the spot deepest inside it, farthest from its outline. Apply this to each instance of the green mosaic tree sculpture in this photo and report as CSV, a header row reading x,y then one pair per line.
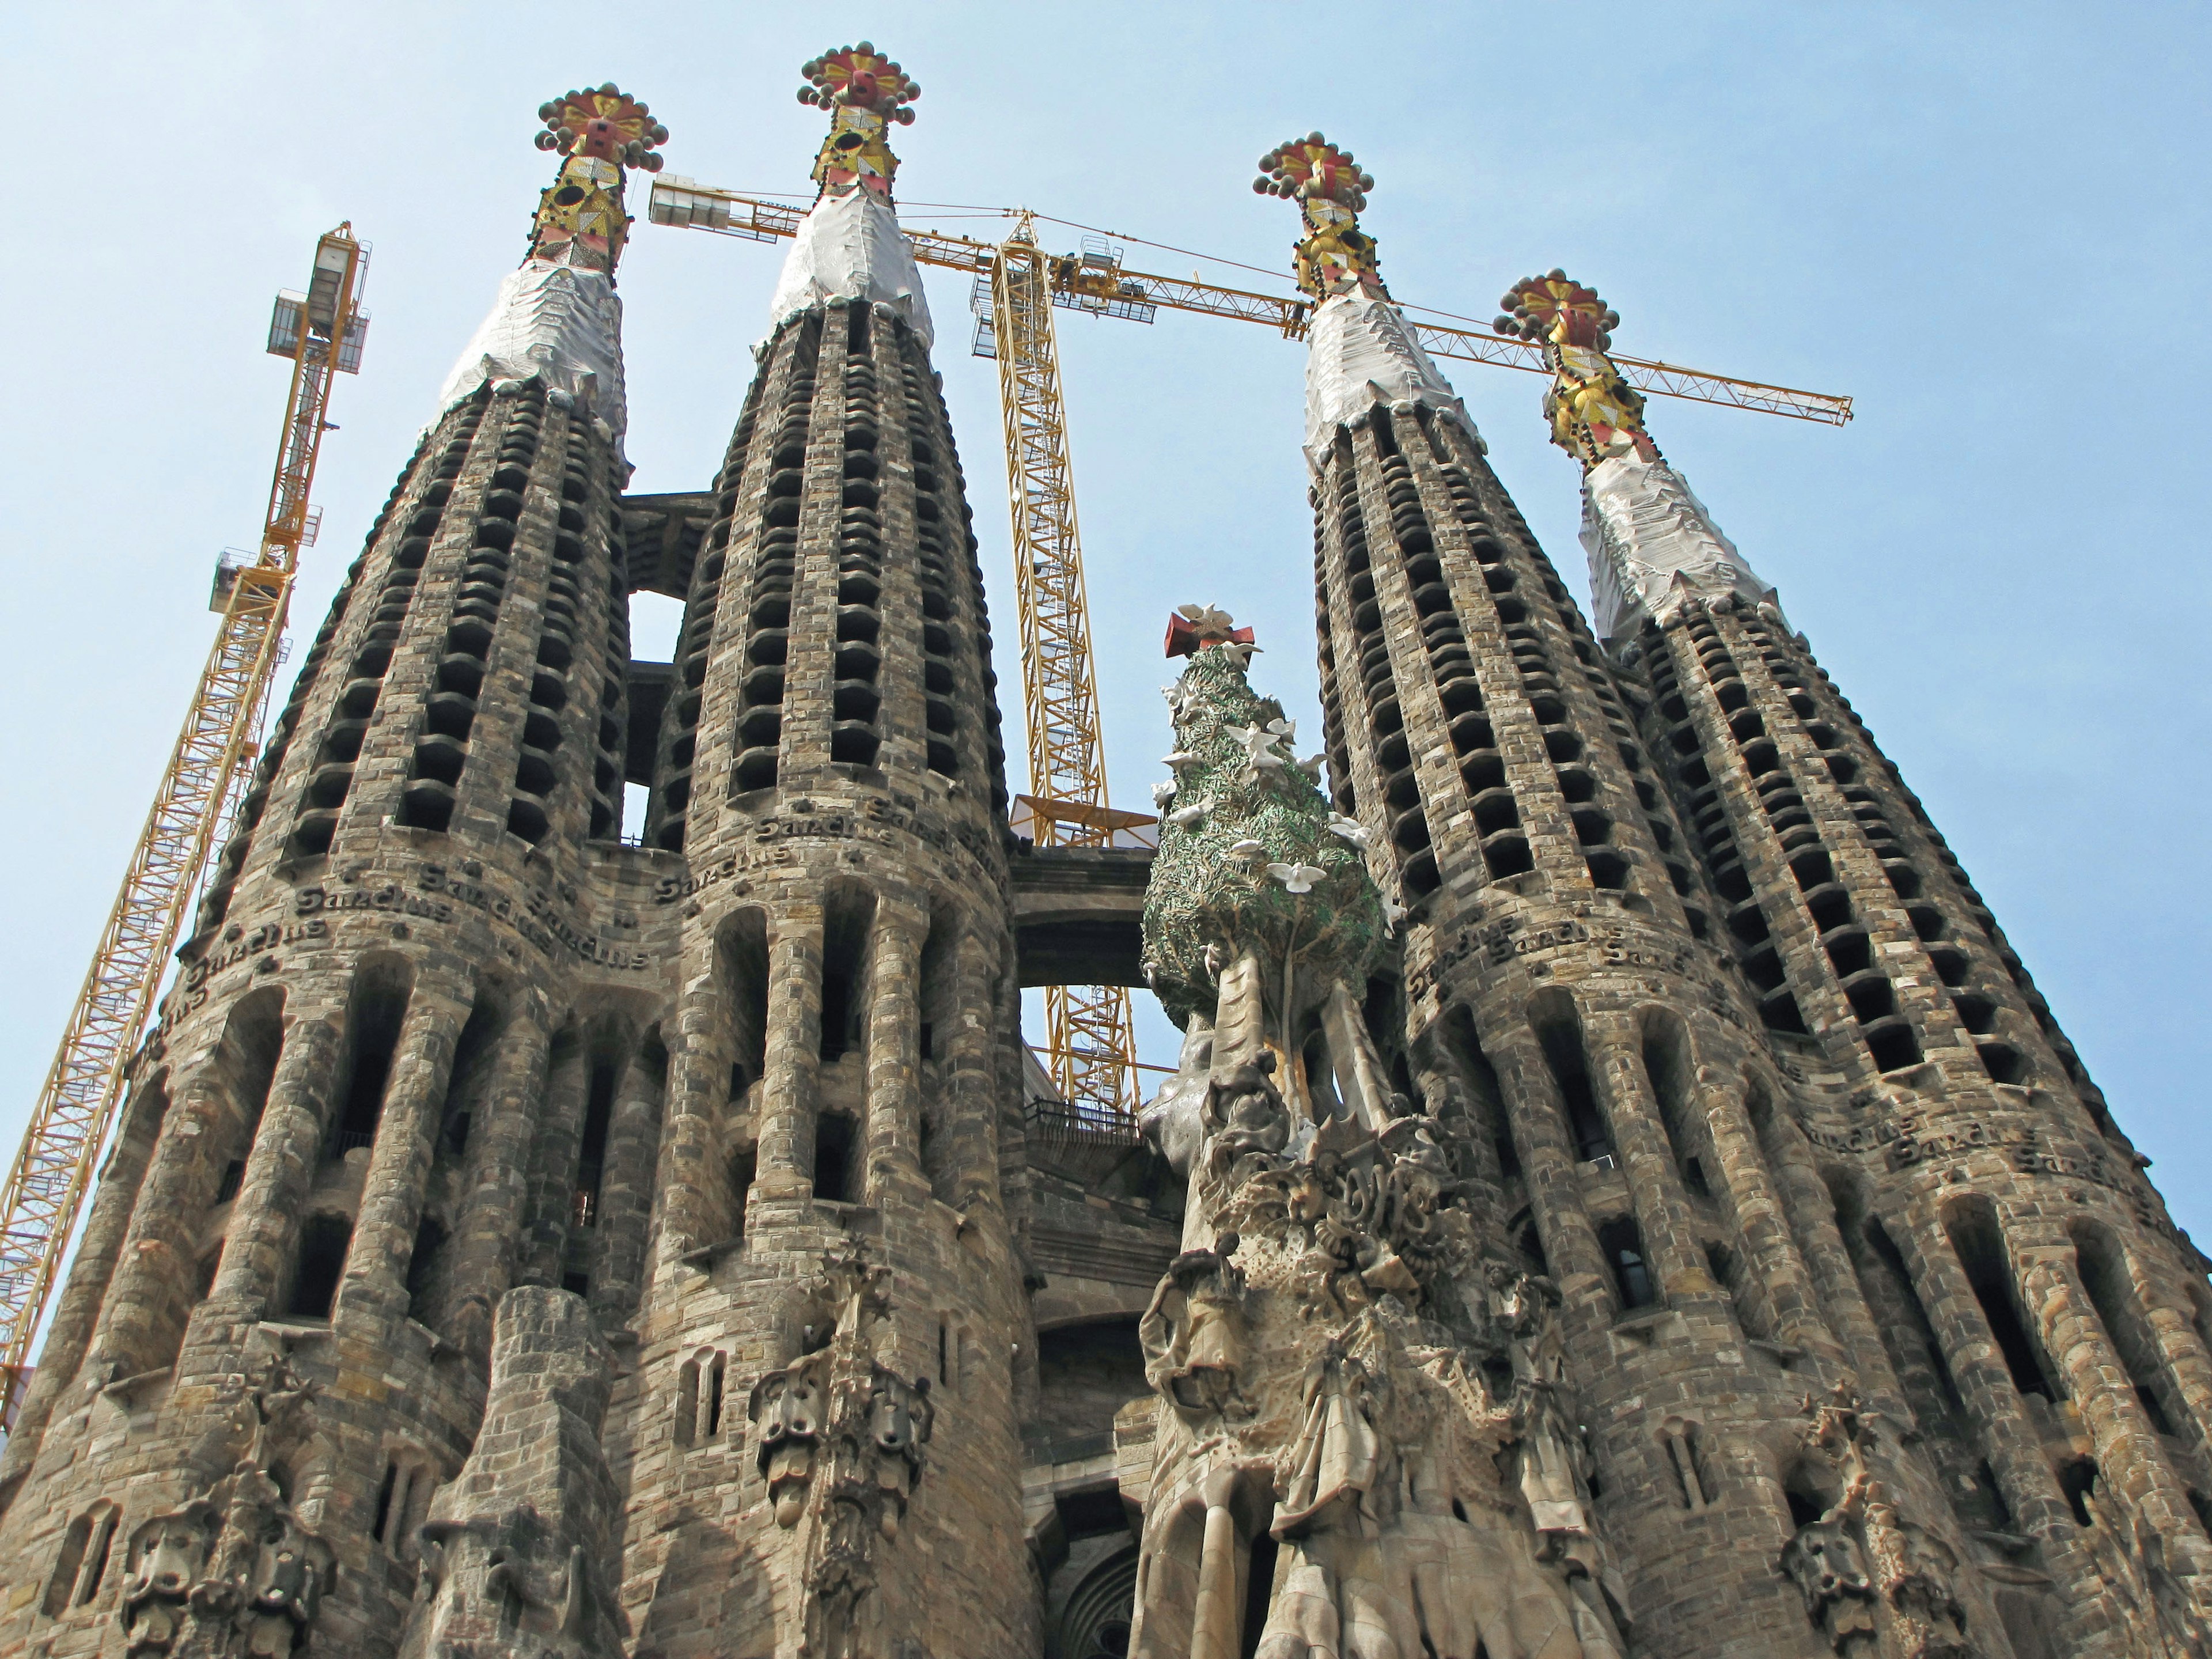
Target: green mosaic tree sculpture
x,y
1252,859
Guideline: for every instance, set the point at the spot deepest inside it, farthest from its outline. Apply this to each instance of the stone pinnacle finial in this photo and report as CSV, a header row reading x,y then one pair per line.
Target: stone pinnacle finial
x,y
1334,256
865,92
598,131
1594,413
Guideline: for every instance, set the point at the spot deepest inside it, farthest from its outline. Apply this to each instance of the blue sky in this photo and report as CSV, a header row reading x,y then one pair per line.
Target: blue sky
x,y
1986,223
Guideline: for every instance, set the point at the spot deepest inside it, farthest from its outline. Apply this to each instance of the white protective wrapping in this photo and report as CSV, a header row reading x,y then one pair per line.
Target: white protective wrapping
x,y
559,324
1653,546
1360,352
850,248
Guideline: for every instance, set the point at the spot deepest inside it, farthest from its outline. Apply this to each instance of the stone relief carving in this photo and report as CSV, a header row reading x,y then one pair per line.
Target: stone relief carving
x,y
839,1437
1871,1575
232,1571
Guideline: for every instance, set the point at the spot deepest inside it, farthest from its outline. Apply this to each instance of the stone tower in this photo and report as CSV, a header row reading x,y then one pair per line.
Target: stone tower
x,y
833,1270
372,1105
1874,1331
2013,1294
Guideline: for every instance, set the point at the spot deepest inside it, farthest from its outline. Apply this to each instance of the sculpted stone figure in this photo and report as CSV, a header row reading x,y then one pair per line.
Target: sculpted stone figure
x,y
1823,1560
1192,1333
786,1409
163,1563
1245,1114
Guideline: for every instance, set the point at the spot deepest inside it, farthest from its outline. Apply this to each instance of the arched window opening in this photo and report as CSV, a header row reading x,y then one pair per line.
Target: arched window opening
x,y
373,1023
744,1166
423,1263
469,1079
591,1155
848,918
1980,1246
2077,1479
81,1563
1486,1100
1559,1031
323,1243
1692,1480
1667,1064
1623,1245
1529,1244
834,1145
1908,1336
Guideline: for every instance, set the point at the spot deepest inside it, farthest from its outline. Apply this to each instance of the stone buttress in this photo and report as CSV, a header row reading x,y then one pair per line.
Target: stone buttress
x,y
2043,1326
831,1245
1567,987
401,1072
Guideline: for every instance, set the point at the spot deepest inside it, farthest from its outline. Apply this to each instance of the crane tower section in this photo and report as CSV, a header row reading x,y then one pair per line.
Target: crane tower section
x,y
1089,1032
321,331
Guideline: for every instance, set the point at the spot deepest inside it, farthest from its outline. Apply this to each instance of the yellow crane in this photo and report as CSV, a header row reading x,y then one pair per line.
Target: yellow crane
x,y
1090,1040
1091,1044
321,331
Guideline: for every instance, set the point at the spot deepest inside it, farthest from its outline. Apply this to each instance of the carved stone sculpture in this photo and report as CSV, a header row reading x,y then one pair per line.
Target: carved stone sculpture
x,y
232,1571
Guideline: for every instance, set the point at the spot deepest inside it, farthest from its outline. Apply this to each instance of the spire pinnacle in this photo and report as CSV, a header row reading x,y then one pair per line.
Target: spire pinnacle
x,y
866,92
1594,413
1334,256
598,131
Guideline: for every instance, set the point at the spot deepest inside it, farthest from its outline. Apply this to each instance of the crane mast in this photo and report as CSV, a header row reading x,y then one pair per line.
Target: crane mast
x,y
321,333
1090,1042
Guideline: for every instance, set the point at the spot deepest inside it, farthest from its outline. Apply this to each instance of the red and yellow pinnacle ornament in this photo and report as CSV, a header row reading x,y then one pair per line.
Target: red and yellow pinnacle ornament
x,y
1594,413
1334,256
599,132
867,92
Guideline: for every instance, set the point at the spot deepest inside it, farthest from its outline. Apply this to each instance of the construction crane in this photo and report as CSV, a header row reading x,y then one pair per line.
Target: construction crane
x,y
1091,1044
321,331
1091,1040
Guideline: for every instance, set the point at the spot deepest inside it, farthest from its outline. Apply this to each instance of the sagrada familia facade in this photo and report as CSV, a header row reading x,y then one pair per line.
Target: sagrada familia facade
x,y
1619,1195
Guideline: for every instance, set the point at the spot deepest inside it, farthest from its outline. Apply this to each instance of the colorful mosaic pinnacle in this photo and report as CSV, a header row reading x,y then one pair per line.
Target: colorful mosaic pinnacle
x,y
1594,412
867,92
598,131
1335,256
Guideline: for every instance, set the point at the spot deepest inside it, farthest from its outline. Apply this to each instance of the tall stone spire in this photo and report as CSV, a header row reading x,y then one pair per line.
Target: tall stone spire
x,y
837,1278
1652,544
1918,1063
404,1069
1563,993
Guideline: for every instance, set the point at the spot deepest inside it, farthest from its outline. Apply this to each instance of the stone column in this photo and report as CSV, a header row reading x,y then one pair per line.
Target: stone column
x,y
2128,1455
555,1150
486,1234
618,1247
392,1191
894,1131
793,1049
2176,1340
1811,1209
1761,1222
1655,1185
1358,1068
281,1169
90,1274
698,1085
971,1061
1547,1164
